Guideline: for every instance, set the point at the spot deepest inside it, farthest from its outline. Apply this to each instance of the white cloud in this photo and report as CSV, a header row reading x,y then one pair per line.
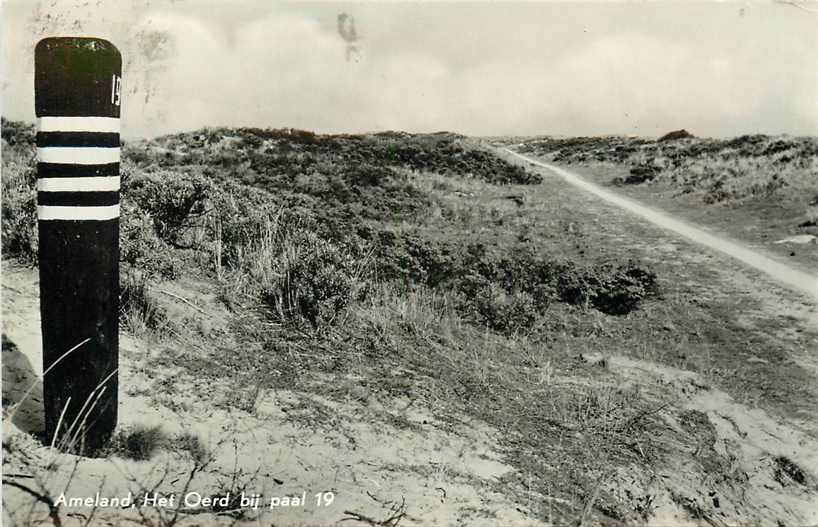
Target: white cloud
x,y
521,68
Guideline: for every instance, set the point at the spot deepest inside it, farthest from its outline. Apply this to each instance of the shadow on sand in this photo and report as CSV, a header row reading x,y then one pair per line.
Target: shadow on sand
x,y
18,378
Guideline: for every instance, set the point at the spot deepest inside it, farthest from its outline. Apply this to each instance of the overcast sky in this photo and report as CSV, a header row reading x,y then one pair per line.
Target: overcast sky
x,y
571,68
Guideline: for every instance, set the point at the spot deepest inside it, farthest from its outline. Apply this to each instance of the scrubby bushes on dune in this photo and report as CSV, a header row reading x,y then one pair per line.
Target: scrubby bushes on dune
x,y
21,136
675,135
281,257
612,289
140,245
509,291
489,304
170,198
300,227
720,170
282,262
19,232
408,257
730,179
315,280
304,266
290,152
19,211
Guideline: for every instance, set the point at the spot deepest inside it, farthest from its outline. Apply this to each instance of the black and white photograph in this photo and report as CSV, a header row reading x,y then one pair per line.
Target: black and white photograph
x,y
409,263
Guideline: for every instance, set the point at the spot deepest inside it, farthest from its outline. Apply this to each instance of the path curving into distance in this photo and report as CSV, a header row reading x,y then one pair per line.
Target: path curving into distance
x,y
794,279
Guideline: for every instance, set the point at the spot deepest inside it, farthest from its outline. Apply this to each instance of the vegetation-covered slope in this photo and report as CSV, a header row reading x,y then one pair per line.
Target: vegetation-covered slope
x,y
367,272
717,170
247,205
760,189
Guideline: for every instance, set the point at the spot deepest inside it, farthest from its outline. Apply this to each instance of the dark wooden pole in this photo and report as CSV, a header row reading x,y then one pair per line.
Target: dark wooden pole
x,y
78,90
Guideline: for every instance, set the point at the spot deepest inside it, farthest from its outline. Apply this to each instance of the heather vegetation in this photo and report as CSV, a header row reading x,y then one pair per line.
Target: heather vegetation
x,y
717,170
356,274
333,255
304,225
19,197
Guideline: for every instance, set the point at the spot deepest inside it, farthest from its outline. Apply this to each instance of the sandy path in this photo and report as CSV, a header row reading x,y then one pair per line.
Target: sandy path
x,y
794,279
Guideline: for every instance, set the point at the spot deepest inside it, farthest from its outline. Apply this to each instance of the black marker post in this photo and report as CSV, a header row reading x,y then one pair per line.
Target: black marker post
x,y
77,88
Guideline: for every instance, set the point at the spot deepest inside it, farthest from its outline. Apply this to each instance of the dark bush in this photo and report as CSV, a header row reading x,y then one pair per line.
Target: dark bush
x,y
141,248
315,281
506,293
641,173
170,198
526,271
785,469
138,443
488,304
409,257
676,135
18,133
19,213
509,291
612,289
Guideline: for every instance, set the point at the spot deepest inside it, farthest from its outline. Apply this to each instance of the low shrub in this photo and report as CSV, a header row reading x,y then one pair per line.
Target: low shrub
x,y
170,198
283,260
141,248
411,258
139,443
640,174
508,291
19,213
138,310
17,135
504,311
610,288
315,280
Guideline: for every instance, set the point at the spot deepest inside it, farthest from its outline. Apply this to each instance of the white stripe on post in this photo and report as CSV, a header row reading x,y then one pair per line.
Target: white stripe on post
x,y
78,184
53,212
82,155
78,124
